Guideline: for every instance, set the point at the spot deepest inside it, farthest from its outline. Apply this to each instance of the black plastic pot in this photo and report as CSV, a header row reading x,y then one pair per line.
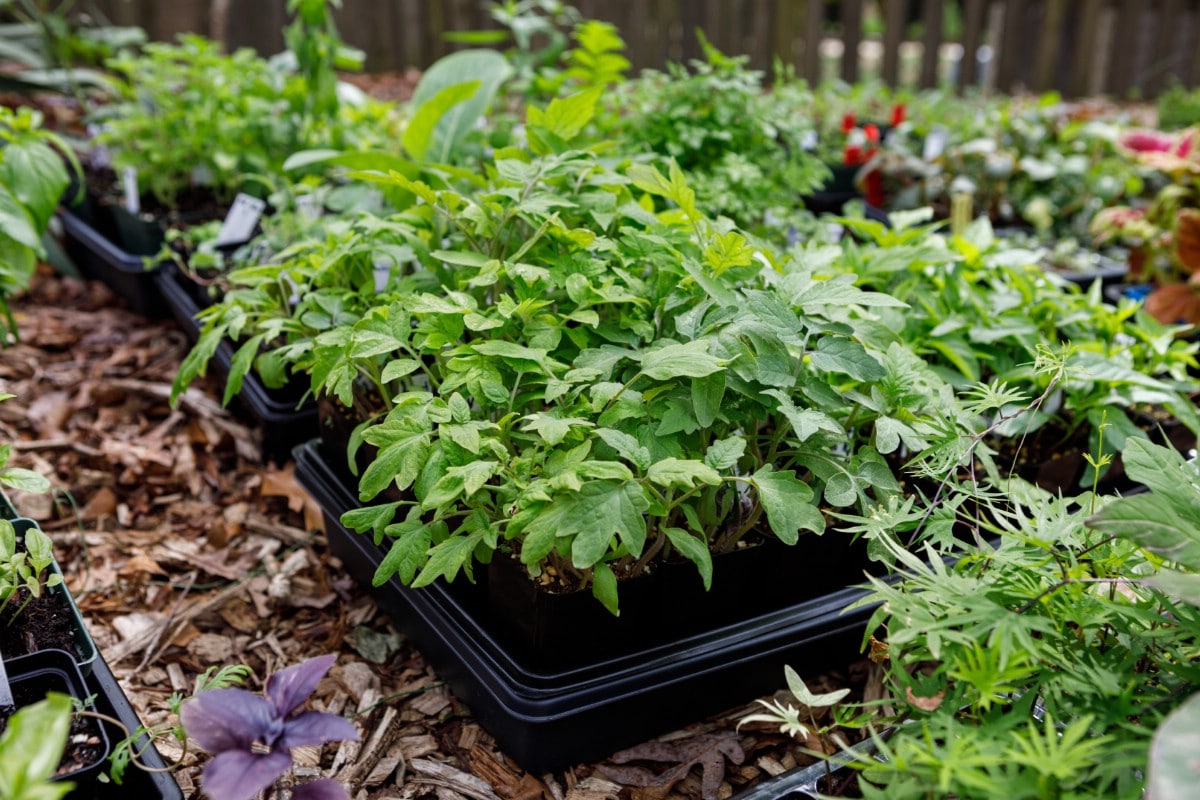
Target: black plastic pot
x,y
549,718
137,783
85,652
35,675
285,416
100,258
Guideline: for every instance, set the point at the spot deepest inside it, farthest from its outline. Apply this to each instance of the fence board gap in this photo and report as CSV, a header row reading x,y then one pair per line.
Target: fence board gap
x,y
852,18
814,17
895,14
972,38
1049,46
932,41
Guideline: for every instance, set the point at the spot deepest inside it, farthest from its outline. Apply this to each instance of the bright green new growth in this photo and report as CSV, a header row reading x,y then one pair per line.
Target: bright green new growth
x,y
33,178
25,567
32,746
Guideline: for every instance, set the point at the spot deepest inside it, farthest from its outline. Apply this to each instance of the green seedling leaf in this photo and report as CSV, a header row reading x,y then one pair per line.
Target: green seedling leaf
x,y
682,473
593,517
695,549
688,360
604,587
626,446
799,689
487,67
25,480
788,503
419,134
847,357
409,552
707,393
565,117
32,746
723,454
371,518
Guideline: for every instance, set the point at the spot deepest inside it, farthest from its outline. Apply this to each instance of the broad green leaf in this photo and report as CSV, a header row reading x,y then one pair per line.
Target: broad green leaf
x,y
370,518
727,250
682,473
834,354
464,480
626,446
1154,524
419,133
32,746
889,432
1183,585
688,360
805,421
565,117
408,553
16,222
398,368
36,176
1173,771
604,587
594,516
553,429
25,479
724,453
403,447
707,393
695,549
488,67
788,503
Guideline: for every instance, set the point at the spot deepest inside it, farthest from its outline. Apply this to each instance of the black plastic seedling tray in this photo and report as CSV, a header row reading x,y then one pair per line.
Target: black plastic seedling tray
x,y
285,417
548,719
98,257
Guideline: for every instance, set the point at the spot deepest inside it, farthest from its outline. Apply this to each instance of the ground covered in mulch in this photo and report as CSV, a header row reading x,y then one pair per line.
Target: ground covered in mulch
x,y
186,549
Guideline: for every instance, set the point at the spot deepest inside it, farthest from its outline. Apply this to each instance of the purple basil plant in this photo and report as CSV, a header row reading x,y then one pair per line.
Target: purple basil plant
x,y
251,736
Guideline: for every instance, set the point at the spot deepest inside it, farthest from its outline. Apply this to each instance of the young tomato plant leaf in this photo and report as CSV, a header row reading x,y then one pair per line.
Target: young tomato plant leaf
x,y
592,517
788,503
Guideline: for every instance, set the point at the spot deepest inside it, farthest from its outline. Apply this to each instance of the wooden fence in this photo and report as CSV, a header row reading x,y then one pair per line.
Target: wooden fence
x,y
1079,47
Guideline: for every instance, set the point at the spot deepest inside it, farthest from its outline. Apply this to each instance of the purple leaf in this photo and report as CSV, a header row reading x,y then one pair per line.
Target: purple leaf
x,y
289,688
221,720
240,775
315,727
323,789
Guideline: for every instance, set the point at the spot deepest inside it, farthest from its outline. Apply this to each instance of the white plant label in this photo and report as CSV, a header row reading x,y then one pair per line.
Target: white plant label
x,y
133,198
241,220
935,143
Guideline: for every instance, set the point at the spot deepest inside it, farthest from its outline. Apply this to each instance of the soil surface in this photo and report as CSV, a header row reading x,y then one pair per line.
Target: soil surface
x,y
186,549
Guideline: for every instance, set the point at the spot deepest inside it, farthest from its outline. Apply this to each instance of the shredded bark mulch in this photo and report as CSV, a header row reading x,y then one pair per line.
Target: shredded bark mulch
x,y
186,549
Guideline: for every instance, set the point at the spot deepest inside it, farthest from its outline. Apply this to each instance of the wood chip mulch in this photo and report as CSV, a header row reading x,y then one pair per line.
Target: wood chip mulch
x,y
185,550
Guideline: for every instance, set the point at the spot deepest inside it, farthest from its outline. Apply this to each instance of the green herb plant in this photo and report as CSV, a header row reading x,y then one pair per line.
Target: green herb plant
x,y
24,567
31,748
1027,655
33,176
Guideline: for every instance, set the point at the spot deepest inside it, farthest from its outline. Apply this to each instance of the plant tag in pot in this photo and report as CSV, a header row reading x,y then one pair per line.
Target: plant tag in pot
x,y
133,198
241,220
935,143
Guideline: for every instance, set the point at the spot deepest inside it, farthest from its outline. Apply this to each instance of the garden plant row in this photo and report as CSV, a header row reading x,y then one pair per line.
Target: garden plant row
x,y
613,422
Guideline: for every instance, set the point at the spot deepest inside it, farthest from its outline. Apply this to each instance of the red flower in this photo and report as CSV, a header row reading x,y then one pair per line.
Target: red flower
x,y
897,114
848,122
852,155
872,131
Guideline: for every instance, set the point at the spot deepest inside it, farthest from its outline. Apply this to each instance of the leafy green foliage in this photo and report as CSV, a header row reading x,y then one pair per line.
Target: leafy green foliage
x,y
33,177
31,747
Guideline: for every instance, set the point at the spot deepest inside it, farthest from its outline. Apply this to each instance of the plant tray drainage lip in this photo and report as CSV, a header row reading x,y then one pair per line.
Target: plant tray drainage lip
x,y
99,258
546,720
285,418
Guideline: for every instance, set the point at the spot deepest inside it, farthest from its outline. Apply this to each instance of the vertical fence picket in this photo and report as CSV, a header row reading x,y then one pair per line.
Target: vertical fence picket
x,y
1120,63
1049,45
814,18
895,14
1087,39
932,42
974,19
1169,56
852,18
1009,66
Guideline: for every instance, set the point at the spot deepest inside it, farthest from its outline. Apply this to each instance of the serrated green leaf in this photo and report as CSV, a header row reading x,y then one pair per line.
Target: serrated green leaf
x,y
399,368
463,480
835,354
689,360
593,517
626,446
553,429
724,453
565,117
370,518
788,503
408,553
403,447
805,422
682,473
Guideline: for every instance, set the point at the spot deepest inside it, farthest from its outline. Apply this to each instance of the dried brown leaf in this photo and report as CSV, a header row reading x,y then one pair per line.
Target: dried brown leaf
x,y
708,751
